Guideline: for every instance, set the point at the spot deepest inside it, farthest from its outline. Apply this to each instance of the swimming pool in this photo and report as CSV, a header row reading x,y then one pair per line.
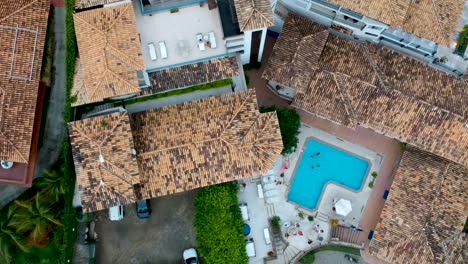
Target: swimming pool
x,y
321,163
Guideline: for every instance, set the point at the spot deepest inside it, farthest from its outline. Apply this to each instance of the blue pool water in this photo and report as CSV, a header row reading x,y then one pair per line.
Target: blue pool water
x,y
314,171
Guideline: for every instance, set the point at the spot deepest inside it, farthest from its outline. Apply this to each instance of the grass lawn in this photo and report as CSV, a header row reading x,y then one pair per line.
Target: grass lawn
x,y
310,257
201,87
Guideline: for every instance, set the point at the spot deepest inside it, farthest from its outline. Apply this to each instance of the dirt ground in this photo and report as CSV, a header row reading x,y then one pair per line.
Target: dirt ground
x,y
160,239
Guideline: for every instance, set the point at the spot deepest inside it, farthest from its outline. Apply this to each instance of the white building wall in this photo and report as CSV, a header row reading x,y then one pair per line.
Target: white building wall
x,y
245,57
262,44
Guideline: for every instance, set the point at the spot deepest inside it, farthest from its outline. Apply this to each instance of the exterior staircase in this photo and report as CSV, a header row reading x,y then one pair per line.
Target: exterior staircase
x,y
344,234
271,211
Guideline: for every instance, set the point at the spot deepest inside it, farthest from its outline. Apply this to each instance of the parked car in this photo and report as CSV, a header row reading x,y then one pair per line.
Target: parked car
x,y
116,213
143,208
350,258
190,256
250,247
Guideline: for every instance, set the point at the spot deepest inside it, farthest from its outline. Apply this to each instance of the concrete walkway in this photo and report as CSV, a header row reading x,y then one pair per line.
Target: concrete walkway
x,y
55,129
177,99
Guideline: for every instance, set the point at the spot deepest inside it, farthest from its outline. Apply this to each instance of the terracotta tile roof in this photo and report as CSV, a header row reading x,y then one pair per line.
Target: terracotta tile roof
x,y
79,4
253,14
431,19
204,142
292,61
109,50
23,25
427,205
192,74
106,169
456,248
353,83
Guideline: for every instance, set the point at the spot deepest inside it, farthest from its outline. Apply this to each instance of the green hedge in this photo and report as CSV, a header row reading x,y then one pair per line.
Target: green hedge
x,y
201,87
219,226
289,122
462,41
66,160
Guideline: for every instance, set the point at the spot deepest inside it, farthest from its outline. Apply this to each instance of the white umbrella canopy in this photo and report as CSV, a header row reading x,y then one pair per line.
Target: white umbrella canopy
x,y
343,207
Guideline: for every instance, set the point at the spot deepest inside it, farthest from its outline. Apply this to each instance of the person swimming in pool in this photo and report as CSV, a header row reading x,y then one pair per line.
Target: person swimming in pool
x,y
318,154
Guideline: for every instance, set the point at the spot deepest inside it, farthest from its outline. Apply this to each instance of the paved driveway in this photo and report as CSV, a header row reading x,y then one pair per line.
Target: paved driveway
x,y
333,257
159,239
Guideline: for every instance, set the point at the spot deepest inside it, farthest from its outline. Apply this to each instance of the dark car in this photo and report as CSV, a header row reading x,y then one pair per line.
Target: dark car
x,y
143,208
350,258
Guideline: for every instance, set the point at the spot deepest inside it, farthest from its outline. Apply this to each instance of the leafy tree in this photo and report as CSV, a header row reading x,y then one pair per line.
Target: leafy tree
x,y
53,182
289,122
35,219
218,225
9,238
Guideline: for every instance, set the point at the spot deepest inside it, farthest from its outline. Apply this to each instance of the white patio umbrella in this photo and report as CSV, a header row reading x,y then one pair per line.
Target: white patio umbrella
x,y
343,207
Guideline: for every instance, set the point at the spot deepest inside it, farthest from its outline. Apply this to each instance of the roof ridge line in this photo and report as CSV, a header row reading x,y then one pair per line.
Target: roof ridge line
x,y
13,146
261,14
236,113
112,130
135,63
18,10
248,20
113,167
124,10
391,89
91,25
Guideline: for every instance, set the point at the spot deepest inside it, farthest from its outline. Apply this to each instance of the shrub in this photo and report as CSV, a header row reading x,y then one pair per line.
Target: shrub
x,y
289,122
374,174
371,184
219,225
275,222
462,41
402,146
334,222
301,215
252,66
310,218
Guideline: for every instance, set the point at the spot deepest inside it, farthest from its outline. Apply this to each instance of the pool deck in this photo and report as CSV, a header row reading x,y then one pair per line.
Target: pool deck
x,y
334,191
387,147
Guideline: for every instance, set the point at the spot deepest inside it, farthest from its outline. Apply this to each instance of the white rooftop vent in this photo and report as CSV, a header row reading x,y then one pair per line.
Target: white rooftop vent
x,y
101,182
134,152
466,125
101,158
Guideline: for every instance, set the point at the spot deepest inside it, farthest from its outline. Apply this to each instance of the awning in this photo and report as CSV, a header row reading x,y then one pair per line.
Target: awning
x,y
343,207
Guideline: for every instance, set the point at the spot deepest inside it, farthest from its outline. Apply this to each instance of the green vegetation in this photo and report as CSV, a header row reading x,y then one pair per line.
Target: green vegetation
x,y
275,222
174,10
218,225
247,79
374,174
310,218
462,42
201,87
402,146
289,122
301,215
465,227
371,184
39,226
309,257
252,66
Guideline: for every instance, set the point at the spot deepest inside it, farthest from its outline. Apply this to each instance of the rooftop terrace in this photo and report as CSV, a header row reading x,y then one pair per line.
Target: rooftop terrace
x,y
179,32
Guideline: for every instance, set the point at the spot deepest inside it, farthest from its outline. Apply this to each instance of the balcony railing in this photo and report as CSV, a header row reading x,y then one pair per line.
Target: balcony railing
x,y
330,16
327,4
351,13
349,23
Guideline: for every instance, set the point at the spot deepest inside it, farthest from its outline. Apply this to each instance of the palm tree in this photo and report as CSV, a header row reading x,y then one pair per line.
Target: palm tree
x,y
53,182
34,219
9,238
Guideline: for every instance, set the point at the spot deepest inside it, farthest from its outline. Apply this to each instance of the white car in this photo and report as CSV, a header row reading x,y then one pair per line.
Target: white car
x,y
116,213
190,256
